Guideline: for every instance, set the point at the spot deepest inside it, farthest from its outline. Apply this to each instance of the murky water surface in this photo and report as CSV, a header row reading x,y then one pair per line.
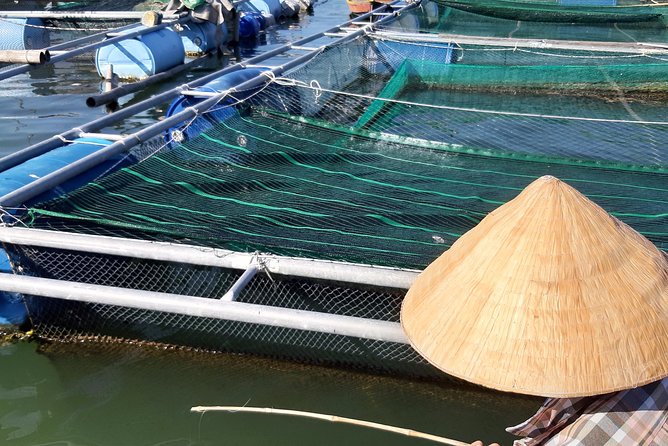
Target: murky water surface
x,y
128,395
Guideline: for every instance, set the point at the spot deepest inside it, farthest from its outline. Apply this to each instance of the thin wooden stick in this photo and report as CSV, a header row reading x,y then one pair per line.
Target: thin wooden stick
x,y
332,418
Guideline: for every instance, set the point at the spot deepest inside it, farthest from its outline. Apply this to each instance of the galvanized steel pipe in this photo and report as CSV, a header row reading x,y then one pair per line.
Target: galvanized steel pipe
x,y
343,272
210,308
33,57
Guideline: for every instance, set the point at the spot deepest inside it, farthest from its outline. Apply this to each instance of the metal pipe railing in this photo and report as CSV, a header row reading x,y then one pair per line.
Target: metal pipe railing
x,y
535,44
343,272
81,15
210,308
115,93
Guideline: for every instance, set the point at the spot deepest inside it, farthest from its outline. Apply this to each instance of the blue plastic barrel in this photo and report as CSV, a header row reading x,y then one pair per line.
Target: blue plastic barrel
x,y
250,24
267,7
407,22
430,14
199,38
142,56
27,172
23,34
218,114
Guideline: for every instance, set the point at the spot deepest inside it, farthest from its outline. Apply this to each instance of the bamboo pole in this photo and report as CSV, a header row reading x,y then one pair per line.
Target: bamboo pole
x,y
331,418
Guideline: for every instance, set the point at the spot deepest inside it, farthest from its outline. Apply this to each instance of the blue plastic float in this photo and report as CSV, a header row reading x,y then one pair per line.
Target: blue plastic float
x,y
23,34
199,38
268,7
37,167
218,114
142,56
12,308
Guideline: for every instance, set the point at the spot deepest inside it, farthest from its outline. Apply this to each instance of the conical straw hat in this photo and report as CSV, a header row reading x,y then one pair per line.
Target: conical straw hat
x,y
549,295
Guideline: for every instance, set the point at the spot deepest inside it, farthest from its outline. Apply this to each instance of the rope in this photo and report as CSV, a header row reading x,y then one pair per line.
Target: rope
x,y
7,214
331,418
476,110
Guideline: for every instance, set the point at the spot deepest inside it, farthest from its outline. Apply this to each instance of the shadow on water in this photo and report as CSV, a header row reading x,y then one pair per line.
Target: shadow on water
x,y
111,394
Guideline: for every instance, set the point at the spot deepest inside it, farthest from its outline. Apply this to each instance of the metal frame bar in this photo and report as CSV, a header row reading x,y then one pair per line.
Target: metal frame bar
x,y
52,180
237,287
105,121
201,307
542,44
95,15
343,272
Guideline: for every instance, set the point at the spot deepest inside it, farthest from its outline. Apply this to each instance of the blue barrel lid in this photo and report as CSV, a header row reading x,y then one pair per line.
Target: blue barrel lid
x,y
250,25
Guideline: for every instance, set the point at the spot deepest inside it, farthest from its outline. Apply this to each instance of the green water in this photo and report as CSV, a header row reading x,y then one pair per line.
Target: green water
x,y
96,394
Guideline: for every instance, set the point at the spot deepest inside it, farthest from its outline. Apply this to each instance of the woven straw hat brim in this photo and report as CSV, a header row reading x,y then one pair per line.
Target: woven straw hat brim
x,y
548,295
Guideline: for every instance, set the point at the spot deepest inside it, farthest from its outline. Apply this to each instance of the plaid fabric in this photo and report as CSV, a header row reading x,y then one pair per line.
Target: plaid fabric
x,y
630,417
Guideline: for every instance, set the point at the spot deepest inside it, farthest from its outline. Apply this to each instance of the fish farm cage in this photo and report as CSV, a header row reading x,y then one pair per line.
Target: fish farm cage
x,y
285,211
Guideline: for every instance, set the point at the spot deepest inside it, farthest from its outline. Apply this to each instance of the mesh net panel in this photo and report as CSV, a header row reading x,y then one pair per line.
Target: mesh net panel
x,y
69,321
548,11
627,22
368,155
367,165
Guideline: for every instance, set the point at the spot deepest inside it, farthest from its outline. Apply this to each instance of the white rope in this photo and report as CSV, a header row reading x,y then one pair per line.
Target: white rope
x,y
490,112
5,211
288,82
625,33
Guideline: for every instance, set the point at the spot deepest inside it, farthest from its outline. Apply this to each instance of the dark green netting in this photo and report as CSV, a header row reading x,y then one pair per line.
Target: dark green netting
x,y
541,11
652,79
295,171
541,20
275,185
649,81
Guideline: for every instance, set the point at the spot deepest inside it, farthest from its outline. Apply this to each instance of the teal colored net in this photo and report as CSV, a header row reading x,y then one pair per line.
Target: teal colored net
x,y
388,162
581,20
